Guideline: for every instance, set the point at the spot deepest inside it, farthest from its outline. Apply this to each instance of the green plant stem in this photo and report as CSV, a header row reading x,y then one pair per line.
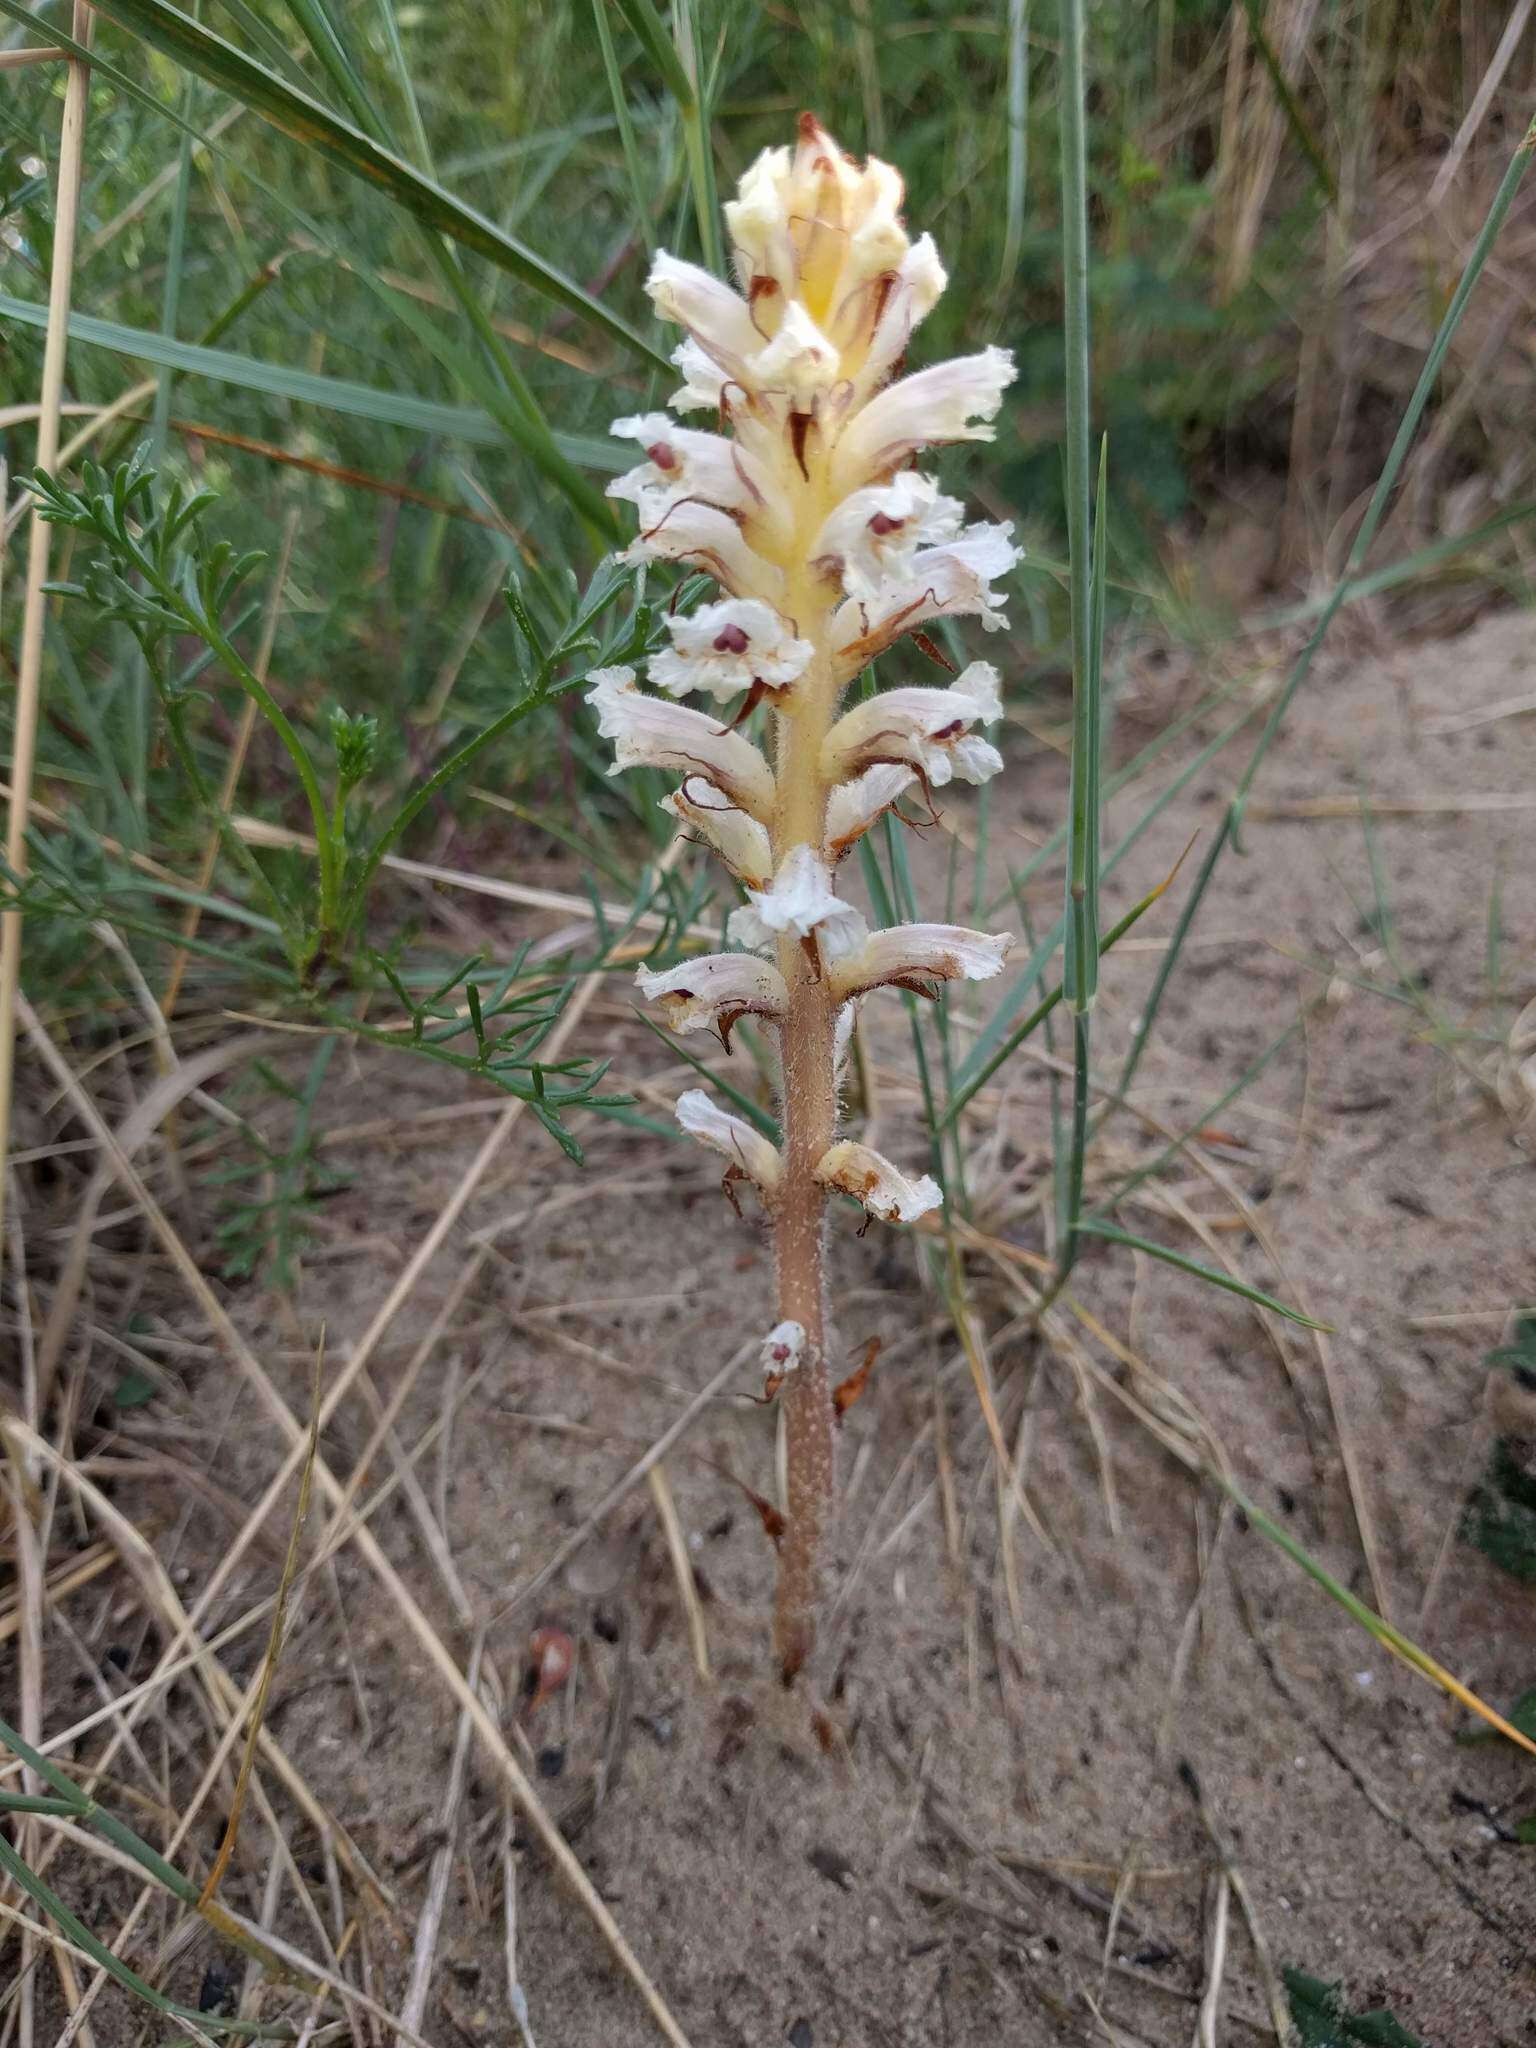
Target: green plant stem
x,y
1086,563
186,760
325,846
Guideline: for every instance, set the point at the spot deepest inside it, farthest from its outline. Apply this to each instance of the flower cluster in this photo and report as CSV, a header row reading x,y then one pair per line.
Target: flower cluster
x,y
828,547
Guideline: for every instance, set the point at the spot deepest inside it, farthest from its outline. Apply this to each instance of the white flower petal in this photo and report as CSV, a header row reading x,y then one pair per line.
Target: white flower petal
x,y
878,241
942,582
926,410
683,463
758,222
741,842
918,956
800,901
748,1150
718,319
653,732
643,427
726,647
854,806
783,1348
799,361
926,727
704,382
980,681
676,529
883,1189
711,992
913,294
974,760
873,535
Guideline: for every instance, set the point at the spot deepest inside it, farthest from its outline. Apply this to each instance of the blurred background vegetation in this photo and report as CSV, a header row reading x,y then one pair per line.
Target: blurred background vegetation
x,y
1283,199
1267,274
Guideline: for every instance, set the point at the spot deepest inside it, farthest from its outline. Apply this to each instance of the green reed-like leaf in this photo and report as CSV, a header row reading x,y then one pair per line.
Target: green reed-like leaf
x,y
1090,1228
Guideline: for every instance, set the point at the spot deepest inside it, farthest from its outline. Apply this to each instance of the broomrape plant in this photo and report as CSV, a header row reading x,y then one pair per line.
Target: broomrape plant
x,y
829,547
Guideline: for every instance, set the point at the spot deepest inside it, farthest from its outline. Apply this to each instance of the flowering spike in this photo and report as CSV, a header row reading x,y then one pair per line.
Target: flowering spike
x,y
828,548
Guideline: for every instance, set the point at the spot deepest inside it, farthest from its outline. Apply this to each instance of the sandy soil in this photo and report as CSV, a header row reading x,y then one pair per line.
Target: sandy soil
x,y
1001,1773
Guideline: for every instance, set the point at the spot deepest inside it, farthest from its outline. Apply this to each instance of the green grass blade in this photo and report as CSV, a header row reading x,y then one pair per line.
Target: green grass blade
x,y
406,85
1089,1228
1082,947
1010,1045
626,126
1390,1638
752,1111
1017,122
297,115
694,112
306,387
500,388
324,38
140,691
1407,568
1002,1018
506,394
651,33
1080,965
81,1935
1153,1004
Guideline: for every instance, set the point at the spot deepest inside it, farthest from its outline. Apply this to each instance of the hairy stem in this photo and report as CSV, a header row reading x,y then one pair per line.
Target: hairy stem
x,y
810,1118
809,1110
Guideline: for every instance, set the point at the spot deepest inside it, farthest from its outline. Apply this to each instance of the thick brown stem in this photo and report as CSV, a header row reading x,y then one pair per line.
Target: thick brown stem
x,y
810,1119
807,1041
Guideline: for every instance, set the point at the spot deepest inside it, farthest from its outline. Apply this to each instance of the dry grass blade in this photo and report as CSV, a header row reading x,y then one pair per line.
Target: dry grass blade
x,y
331,472
981,1380
682,1567
65,1578
274,1650
1206,2035
429,1926
582,1535
162,1599
1482,100
261,832
1274,1990
416,1620
29,667
135,1131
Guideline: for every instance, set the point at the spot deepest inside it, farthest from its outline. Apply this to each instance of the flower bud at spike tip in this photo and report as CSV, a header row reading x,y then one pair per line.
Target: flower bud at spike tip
x,y
799,496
